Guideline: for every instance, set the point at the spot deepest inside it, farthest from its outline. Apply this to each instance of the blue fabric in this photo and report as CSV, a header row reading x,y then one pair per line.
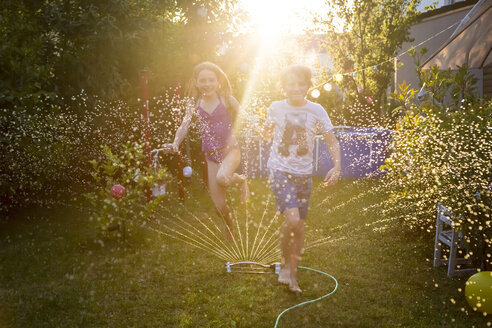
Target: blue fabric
x,y
291,191
363,151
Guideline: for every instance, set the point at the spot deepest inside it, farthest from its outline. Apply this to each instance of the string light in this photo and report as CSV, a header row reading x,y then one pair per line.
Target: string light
x,y
339,77
202,11
244,67
328,86
222,51
315,93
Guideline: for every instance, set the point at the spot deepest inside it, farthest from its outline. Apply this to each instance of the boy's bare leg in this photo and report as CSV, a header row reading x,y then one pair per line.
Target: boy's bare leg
x,y
296,252
285,246
292,243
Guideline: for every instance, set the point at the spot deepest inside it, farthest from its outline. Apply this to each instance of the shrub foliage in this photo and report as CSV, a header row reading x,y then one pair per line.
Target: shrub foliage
x,y
443,156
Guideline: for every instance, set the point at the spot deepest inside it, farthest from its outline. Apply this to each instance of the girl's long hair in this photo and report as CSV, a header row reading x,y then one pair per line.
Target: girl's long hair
x,y
224,89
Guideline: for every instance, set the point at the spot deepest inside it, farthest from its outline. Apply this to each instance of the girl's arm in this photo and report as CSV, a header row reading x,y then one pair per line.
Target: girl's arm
x,y
182,130
331,142
234,105
266,133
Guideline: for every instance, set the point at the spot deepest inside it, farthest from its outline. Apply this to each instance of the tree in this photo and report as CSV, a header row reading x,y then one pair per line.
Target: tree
x,y
70,80
63,46
373,32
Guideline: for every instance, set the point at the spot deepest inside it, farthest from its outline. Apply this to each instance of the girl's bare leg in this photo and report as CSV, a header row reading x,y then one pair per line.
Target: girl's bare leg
x,y
227,177
218,195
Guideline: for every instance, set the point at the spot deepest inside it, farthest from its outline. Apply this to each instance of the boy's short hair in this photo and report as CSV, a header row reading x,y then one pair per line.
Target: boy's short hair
x,y
301,71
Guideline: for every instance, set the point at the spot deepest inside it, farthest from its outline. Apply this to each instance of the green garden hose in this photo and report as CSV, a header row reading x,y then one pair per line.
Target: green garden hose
x,y
310,301
255,267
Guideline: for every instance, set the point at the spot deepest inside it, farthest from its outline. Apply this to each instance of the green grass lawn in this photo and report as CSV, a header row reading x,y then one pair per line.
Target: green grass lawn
x,y
58,270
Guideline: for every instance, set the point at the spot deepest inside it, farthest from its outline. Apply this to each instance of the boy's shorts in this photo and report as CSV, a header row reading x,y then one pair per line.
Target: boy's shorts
x,y
291,191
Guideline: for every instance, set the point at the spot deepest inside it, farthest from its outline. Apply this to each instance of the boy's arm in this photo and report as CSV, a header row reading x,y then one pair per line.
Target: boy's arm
x,y
331,142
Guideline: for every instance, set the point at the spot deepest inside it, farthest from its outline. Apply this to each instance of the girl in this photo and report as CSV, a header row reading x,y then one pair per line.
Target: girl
x,y
217,109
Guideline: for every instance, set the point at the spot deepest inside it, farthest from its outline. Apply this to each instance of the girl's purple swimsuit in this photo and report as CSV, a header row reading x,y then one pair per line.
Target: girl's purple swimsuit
x,y
216,131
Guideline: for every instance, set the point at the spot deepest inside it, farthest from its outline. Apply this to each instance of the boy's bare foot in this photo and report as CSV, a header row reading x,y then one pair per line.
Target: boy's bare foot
x,y
284,276
244,191
294,287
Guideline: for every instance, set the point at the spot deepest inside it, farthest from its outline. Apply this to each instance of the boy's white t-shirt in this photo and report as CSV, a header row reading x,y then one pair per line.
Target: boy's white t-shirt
x,y
295,128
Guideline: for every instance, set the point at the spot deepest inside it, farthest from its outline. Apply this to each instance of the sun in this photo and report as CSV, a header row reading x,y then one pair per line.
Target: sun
x,y
277,27
282,17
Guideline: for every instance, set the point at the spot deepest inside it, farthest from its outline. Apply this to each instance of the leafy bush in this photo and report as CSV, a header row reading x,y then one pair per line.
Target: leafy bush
x,y
46,146
128,170
457,85
444,156
59,47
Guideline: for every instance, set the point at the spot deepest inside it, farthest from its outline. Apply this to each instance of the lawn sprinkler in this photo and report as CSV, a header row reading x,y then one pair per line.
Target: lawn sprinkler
x,y
252,267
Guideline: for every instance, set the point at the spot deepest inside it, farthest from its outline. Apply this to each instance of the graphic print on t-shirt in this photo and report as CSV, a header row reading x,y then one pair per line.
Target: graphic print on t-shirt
x,y
294,134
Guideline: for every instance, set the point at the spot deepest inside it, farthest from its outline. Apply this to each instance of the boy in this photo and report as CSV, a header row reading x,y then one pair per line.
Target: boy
x,y
293,123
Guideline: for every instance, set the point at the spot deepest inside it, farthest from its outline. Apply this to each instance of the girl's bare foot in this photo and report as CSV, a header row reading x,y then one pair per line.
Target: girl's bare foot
x,y
294,287
244,190
228,233
284,276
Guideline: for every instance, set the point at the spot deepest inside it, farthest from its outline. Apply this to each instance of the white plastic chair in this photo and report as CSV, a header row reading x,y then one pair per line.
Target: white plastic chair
x,y
447,234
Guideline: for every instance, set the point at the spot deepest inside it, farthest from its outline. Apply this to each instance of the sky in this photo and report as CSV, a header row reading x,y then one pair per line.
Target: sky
x,y
429,2
277,16
286,16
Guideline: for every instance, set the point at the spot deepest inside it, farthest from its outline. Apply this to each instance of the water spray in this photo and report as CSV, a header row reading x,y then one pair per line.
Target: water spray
x,y
144,86
158,189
